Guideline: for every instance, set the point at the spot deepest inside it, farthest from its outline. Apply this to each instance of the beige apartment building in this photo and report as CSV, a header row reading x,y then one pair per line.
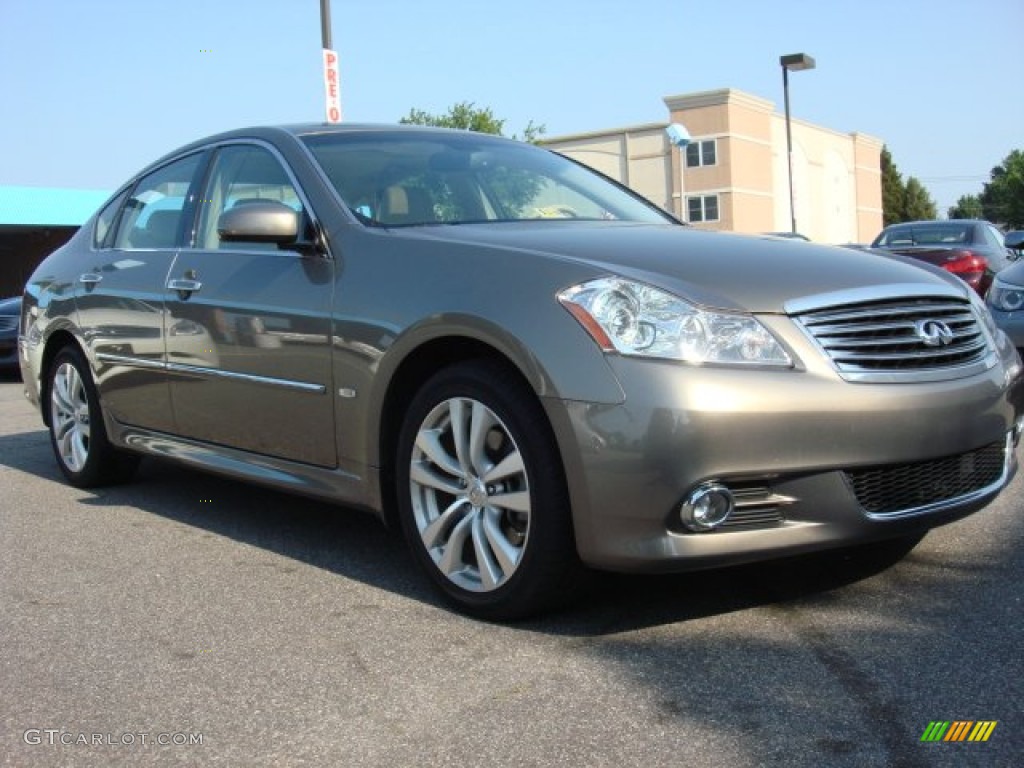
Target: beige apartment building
x,y
733,175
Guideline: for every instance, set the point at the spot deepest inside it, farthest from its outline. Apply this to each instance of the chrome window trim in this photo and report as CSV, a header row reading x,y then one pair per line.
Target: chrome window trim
x,y
140,362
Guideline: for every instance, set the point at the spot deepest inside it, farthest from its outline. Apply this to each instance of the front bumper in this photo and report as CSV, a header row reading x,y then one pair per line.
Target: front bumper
x,y
790,444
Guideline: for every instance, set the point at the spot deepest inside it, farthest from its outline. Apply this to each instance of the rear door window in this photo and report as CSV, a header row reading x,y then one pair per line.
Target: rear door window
x,y
154,215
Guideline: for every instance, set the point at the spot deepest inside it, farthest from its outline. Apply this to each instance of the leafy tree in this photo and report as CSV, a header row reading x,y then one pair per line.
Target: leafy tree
x,y
918,204
903,202
894,193
1002,199
466,116
967,207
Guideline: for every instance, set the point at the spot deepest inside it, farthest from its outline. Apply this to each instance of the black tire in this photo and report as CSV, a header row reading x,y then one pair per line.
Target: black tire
x,y
77,433
493,560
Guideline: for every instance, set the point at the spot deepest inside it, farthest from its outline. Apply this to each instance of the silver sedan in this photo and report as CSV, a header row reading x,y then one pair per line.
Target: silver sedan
x,y
525,367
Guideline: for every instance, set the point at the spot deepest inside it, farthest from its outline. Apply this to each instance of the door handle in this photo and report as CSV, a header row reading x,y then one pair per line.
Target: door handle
x,y
184,287
89,278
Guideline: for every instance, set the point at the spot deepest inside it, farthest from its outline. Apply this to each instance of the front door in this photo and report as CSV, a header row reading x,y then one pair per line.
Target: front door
x,y
249,326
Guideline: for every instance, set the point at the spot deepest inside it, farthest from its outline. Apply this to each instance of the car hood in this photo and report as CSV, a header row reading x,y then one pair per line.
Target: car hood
x,y
713,269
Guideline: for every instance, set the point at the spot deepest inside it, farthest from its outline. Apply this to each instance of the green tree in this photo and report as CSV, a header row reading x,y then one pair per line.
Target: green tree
x,y
1002,199
466,116
967,207
918,205
894,193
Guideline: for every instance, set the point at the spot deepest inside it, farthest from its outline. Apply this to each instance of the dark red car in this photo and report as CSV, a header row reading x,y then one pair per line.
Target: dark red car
x,y
969,248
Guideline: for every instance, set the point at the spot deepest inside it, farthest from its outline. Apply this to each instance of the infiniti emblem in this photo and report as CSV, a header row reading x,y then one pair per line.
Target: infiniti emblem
x,y
934,333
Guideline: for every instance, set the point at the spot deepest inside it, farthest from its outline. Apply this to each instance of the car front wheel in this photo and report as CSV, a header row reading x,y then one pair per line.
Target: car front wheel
x,y
481,493
84,454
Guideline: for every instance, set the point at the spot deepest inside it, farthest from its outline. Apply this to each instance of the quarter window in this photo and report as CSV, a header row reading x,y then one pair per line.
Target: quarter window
x,y
700,153
702,208
105,220
152,216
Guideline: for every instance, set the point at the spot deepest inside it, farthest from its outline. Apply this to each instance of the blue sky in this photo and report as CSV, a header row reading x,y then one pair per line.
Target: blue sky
x,y
94,89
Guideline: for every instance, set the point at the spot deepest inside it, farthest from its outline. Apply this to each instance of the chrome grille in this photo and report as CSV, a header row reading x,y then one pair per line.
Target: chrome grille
x,y
871,341
8,322
896,489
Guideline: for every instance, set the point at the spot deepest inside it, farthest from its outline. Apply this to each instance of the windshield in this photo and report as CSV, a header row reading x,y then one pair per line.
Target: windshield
x,y
404,178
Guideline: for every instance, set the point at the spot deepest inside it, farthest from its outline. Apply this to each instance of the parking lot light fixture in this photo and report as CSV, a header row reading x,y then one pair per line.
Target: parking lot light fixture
x,y
795,62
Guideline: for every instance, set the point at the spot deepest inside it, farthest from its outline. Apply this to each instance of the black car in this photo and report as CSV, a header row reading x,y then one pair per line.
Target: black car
x,y
10,310
969,248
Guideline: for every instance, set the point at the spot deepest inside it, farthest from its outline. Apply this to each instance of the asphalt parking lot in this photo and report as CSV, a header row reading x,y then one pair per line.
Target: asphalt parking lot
x,y
277,631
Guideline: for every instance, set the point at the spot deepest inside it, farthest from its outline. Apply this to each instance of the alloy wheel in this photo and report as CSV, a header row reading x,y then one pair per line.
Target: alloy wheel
x,y
69,417
470,494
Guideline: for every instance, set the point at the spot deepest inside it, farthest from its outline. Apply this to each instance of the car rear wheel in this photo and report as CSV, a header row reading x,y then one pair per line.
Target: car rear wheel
x,y
482,496
79,439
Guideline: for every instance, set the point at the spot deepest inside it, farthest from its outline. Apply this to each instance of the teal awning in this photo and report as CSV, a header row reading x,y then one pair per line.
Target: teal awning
x,y
47,207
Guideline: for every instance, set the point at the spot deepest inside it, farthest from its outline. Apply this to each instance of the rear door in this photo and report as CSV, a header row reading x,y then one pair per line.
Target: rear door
x,y
119,293
249,324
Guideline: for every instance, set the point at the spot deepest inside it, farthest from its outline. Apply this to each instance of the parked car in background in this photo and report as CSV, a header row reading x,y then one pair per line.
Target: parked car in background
x,y
10,312
1005,300
1015,242
521,364
971,249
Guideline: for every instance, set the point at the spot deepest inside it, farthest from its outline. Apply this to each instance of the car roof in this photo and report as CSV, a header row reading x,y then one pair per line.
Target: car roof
x,y
319,129
299,130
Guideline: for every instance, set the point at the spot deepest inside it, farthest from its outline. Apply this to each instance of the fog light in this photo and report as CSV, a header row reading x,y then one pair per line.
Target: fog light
x,y
706,508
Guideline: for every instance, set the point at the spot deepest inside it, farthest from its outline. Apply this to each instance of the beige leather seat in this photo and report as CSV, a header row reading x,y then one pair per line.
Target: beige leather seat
x,y
406,205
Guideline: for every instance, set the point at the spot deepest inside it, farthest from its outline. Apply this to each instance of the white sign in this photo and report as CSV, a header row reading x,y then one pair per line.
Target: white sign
x,y
332,86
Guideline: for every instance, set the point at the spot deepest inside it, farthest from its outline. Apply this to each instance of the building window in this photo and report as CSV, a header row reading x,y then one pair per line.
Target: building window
x,y
701,153
702,208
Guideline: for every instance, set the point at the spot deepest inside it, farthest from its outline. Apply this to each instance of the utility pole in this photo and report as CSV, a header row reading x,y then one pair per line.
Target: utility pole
x,y
325,23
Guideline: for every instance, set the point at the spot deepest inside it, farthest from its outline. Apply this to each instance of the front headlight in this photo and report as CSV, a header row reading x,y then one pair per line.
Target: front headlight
x,y
632,318
1006,297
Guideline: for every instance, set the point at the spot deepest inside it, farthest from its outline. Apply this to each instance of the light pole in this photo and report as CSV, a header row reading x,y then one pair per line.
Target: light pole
x,y
795,62
680,137
325,24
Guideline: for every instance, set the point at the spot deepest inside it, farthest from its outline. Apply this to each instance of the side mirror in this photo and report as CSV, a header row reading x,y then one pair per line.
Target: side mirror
x,y
259,221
